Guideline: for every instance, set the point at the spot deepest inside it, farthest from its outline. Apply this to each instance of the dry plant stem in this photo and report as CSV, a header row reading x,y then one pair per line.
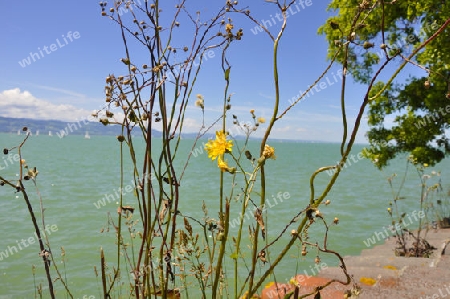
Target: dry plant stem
x,y
33,217
34,221
38,233
119,230
263,143
249,187
63,281
311,181
330,184
326,250
344,80
164,170
103,266
218,270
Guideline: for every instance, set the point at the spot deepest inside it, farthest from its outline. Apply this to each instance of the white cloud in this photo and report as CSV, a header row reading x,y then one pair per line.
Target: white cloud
x,y
60,90
17,104
282,129
191,124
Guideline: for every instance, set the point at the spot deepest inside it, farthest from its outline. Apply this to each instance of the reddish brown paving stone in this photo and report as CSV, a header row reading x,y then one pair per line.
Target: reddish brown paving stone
x,y
389,282
308,285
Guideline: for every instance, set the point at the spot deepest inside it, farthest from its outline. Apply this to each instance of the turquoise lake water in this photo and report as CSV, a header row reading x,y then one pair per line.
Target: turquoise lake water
x,y
76,173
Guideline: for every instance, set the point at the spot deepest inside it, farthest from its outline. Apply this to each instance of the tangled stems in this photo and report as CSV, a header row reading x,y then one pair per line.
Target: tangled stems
x,y
226,71
21,188
345,152
263,143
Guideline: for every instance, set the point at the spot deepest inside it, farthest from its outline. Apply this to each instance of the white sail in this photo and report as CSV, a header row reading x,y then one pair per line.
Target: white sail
x,y
86,136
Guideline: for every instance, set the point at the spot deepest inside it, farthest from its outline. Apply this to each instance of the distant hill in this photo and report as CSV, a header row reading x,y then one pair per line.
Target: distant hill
x,y
12,125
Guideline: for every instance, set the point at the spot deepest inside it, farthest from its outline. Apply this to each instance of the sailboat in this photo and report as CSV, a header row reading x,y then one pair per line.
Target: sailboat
x,y
50,133
37,133
18,132
86,136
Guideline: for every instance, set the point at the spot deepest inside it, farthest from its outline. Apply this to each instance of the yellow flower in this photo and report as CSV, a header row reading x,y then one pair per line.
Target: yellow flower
x,y
219,146
269,152
222,164
261,120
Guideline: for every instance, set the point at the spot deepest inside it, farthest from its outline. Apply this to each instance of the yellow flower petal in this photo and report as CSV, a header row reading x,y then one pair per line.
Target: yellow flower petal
x,y
222,164
219,146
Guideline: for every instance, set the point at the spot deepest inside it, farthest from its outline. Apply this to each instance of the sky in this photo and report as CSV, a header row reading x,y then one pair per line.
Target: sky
x,y
55,56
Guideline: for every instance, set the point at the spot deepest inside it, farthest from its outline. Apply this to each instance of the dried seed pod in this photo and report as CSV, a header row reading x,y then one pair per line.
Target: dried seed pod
x,y
334,25
368,45
317,260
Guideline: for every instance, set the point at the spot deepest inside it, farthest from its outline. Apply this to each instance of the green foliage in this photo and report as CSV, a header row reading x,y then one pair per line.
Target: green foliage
x,y
419,105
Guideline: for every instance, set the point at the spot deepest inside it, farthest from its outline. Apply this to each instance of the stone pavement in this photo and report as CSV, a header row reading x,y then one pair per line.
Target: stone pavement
x,y
399,277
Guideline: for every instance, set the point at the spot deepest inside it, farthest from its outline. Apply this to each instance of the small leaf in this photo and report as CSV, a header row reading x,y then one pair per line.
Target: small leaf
x,y
227,74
